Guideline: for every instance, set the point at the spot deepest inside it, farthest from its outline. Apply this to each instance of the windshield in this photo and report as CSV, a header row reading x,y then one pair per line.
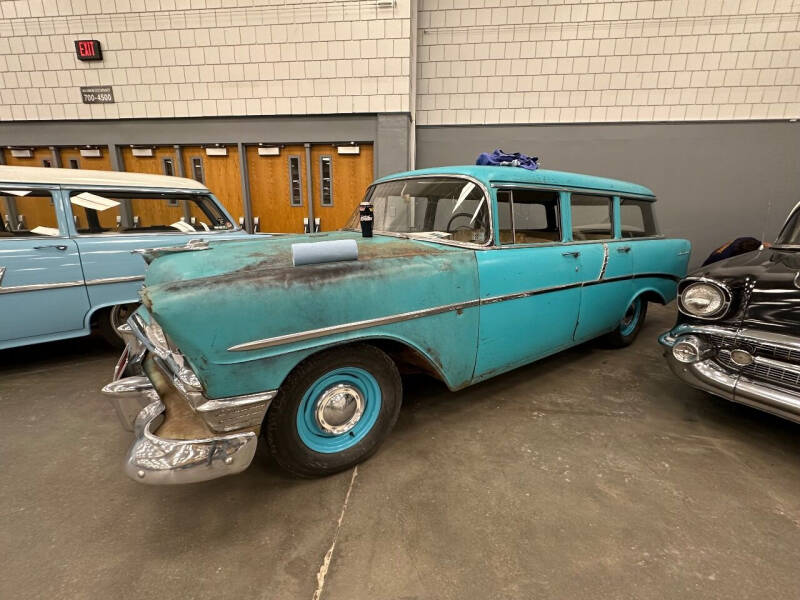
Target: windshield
x,y
441,208
790,234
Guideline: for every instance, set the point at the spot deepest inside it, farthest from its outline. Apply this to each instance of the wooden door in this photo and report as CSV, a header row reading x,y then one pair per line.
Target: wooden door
x,y
151,164
35,211
278,189
339,182
71,159
220,174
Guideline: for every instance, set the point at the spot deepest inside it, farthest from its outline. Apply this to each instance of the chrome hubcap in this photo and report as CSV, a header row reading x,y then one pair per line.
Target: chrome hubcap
x,y
629,314
339,408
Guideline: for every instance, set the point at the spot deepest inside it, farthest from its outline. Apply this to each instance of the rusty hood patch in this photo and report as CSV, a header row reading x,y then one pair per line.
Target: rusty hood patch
x,y
271,258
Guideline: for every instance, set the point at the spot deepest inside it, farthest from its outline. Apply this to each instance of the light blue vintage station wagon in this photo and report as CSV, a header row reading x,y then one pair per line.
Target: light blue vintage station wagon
x,y
66,238
301,340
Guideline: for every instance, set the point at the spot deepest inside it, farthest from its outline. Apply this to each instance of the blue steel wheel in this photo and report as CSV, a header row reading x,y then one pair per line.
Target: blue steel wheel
x,y
333,410
629,325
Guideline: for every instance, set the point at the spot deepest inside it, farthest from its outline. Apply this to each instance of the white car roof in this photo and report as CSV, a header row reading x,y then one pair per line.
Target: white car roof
x,y
79,177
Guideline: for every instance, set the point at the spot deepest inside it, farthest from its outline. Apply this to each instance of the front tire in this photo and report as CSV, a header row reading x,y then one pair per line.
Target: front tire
x,y
630,325
334,410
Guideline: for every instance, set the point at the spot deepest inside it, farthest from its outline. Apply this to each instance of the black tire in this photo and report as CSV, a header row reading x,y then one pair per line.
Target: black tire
x,y
627,331
109,319
282,425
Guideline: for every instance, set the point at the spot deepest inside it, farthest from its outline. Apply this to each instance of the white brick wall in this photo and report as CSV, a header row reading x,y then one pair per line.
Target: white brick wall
x,y
502,61
180,58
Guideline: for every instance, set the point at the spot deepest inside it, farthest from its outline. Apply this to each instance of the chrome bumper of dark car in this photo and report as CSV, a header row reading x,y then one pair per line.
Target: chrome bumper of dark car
x,y
140,408
767,383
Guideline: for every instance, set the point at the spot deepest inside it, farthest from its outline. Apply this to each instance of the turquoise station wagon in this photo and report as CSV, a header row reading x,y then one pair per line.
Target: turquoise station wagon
x,y
300,340
66,238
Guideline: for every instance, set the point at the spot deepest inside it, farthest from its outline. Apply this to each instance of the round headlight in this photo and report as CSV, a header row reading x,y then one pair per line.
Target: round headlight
x,y
703,299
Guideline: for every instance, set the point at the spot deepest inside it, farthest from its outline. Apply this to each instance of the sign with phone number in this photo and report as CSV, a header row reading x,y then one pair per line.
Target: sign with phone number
x,y
97,94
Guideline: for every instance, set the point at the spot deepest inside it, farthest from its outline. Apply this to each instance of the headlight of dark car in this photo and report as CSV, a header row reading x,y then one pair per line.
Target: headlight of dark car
x,y
704,299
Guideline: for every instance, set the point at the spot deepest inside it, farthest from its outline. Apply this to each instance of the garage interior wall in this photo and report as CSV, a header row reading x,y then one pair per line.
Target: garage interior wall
x,y
714,181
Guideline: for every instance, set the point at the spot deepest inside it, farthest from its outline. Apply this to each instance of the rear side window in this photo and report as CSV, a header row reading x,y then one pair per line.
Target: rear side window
x,y
117,212
636,218
27,213
591,217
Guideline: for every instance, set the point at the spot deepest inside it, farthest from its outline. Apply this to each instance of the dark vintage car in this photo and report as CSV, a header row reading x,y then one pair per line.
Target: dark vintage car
x,y
738,333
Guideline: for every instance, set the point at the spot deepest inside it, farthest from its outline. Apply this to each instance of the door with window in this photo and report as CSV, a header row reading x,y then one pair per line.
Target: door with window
x,y
279,185
606,264
216,167
71,159
529,286
42,289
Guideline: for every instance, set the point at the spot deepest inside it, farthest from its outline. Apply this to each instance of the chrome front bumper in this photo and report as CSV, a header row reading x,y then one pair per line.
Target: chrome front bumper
x,y
711,376
143,382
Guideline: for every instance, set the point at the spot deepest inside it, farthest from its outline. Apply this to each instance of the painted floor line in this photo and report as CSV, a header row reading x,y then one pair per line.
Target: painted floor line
x,y
323,569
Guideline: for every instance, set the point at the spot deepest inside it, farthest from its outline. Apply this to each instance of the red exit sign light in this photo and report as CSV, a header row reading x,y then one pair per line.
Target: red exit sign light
x,y
88,50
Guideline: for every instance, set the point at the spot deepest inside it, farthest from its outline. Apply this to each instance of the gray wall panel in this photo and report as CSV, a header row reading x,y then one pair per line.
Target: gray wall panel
x,y
357,128
714,181
392,144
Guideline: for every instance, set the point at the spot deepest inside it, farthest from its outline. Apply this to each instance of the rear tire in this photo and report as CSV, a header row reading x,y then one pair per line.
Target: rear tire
x,y
629,326
334,410
110,318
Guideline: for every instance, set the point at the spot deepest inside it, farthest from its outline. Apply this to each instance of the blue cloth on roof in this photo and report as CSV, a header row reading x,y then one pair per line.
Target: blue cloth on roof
x,y
498,158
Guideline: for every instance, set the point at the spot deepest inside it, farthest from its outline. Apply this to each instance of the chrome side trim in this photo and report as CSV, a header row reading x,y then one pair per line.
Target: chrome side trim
x,y
150,254
311,334
347,327
2,272
566,188
15,289
605,262
107,280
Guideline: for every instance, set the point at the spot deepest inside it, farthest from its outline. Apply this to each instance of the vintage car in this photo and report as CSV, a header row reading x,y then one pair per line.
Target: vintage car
x,y
66,238
471,271
738,329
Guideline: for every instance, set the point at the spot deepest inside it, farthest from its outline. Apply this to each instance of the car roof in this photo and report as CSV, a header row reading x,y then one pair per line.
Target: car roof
x,y
80,177
498,175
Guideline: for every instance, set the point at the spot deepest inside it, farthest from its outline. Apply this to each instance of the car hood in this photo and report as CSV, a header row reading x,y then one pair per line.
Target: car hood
x,y
766,288
272,257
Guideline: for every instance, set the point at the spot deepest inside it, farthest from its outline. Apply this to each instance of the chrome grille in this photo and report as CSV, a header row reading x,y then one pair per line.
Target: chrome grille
x,y
758,348
761,372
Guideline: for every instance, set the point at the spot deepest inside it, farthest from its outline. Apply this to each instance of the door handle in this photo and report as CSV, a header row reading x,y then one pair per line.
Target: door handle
x,y
60,247
573,254
624,249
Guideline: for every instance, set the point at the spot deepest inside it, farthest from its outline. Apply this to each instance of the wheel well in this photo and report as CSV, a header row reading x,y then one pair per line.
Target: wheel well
x,y
409,360
652,296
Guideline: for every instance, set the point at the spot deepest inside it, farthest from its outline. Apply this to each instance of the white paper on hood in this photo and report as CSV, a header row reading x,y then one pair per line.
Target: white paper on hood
x,y
51,231
183,226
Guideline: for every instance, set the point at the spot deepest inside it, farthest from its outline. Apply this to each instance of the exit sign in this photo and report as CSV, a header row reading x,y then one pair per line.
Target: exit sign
x,y
88,50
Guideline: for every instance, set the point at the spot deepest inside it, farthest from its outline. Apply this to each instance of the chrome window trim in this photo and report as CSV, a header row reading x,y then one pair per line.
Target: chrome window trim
x,y
477,182
726,292
570,189
310,334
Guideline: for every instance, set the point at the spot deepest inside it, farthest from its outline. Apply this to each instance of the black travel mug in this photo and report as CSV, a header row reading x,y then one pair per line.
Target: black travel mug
x,y
366,216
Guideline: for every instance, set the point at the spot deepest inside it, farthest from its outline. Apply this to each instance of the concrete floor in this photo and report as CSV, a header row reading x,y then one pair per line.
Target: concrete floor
x,y
593,474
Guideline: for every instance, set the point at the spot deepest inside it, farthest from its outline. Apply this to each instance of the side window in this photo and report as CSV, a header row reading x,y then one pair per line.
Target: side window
x,y
295,184
591,217
636,218
169,167
197,169
73,163
528,217
101,212
325,181
27,213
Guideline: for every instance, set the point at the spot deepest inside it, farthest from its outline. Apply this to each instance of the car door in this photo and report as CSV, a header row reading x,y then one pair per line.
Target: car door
x,y
109,224
530,294
42,291
606,264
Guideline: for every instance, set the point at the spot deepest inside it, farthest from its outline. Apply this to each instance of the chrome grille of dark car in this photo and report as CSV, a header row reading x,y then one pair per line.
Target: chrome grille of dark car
x,y
769,351
768,373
